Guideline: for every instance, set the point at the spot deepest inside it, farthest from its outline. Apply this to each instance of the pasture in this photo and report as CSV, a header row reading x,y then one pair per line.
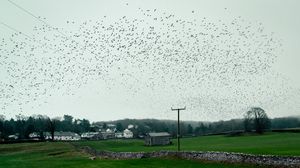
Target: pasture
x,y
287,144
64,154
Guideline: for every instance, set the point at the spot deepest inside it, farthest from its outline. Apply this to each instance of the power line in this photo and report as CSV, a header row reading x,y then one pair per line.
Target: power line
x,y
26,35
13,29
52,27
39,19
18,6
34,40
31,14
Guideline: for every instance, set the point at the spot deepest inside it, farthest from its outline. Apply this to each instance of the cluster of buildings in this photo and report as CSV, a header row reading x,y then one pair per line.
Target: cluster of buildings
x,y
110,132
159,138
58,136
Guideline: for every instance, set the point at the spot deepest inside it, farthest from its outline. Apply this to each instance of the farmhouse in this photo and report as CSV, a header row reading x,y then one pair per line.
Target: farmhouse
x,y
159,138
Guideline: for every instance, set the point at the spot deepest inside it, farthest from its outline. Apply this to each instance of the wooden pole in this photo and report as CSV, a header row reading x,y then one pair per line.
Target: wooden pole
x,y
178,126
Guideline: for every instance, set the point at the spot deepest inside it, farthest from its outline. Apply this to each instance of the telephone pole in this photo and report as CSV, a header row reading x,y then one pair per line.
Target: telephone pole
x,y
178,127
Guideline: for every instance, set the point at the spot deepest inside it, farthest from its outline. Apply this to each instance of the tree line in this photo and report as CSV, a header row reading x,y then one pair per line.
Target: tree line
x,y
22,126
255,120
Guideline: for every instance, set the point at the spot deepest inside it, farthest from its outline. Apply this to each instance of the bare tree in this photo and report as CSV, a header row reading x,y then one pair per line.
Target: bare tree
x,y
256,118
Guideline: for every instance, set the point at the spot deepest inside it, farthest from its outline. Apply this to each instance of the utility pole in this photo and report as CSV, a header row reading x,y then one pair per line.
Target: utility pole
x,y
178,127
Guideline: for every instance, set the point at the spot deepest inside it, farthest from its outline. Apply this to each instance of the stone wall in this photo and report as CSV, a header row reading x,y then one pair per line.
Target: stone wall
x,y
278,161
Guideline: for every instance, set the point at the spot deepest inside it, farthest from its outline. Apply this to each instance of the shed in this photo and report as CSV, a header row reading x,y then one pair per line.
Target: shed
x,y
158,138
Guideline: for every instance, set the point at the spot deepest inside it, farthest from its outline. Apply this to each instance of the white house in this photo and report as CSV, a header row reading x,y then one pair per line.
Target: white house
x,y
63,136
119,134
127,133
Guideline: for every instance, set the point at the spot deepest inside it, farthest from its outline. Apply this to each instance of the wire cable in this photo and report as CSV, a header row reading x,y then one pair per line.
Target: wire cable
x,y
52,27
34,40
36,17
13,29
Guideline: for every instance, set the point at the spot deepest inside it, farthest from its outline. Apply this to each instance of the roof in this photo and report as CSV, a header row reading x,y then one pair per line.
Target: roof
x,y
159,134
89,134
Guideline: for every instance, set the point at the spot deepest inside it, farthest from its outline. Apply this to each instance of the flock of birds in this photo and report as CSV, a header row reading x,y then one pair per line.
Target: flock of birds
x,y
214,67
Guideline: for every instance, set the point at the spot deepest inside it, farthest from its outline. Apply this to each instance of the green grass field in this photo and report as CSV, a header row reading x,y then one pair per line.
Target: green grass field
x,y
270,144
63,155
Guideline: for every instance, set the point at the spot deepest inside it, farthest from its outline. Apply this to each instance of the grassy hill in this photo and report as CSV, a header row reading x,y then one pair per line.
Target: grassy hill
x,y
63,155
270,144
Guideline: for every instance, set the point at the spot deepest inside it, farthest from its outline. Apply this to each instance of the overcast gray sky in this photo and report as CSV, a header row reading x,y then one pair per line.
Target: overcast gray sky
x,y
93,100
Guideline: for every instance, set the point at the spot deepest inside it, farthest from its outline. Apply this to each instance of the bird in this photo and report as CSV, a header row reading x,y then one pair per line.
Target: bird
x,y
210,65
